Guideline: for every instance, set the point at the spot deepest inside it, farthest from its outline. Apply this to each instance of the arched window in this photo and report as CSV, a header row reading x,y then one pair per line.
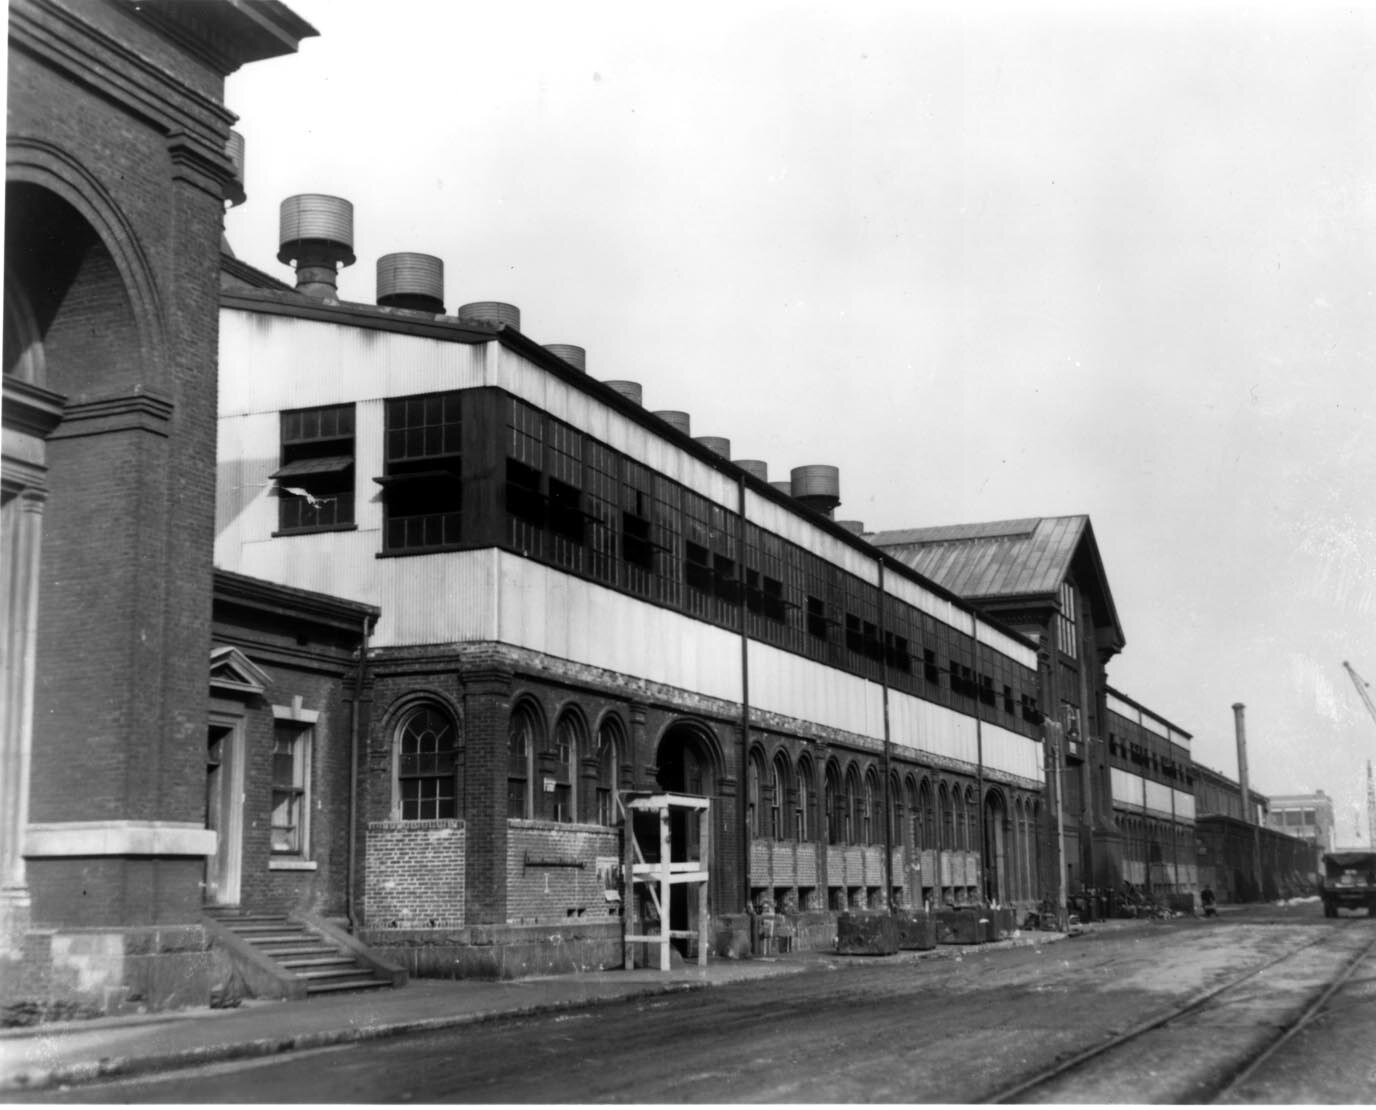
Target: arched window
x,y
854,806
895,813
806,803
924,803
521,741
778,797
569,743
427,744
914,812
948,819
836,805
972,820
869,828
610,744
754,772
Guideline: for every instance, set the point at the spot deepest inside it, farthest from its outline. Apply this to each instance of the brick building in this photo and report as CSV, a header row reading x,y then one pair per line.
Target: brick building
x,y
579,598
1307,816
116,179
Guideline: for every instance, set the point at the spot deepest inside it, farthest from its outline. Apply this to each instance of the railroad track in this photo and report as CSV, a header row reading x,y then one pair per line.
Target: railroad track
x,y
1219,1063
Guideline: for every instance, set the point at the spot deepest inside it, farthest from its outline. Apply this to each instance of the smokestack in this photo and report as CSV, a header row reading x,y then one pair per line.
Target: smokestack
x,y
1240,725
317,234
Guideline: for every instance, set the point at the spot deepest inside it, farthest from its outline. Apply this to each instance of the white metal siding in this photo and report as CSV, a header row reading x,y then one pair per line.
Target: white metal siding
x,y
927,602
792,527
927,727
1009,751
781,682
1122,708
1184,806
1125,787
269,363
1006,645
548,611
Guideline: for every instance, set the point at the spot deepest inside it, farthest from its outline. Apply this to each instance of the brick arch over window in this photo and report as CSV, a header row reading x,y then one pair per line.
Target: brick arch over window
x,y
560,763
428,749
754,788
780,797
805,804
525,736
611,753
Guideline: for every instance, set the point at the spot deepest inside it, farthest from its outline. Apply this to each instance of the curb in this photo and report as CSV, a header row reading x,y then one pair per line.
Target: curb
x,y
124,1067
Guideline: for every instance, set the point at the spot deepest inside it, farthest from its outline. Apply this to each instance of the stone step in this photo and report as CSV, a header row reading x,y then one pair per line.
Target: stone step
x,y
331,959
352,985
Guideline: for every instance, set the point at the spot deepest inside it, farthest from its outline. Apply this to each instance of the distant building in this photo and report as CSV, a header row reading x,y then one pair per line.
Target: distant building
x,y
1240,859
1307,816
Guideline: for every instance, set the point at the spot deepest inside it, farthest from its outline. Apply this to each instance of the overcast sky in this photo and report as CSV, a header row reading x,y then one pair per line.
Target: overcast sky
x,y
991,262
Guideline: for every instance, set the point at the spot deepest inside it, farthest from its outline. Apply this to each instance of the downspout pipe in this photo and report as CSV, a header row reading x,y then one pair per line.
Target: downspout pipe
x,y
741,608
887,870
979,767
360,676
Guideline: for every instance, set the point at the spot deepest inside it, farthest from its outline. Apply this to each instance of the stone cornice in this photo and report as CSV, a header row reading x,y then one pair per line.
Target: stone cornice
x,y
138,411
31,409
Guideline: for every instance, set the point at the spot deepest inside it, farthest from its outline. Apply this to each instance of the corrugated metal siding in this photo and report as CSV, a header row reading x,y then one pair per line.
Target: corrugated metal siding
x,y
1159,797
269,363
1184,806
927,602
1122,708
546,610
1125,787
1006,645
1152,725
789,684
923,726
792,527
1014,754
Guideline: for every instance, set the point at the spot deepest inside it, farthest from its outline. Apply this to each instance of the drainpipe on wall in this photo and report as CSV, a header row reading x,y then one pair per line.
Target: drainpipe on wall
x,y
887,870
350,884
979,766
743,793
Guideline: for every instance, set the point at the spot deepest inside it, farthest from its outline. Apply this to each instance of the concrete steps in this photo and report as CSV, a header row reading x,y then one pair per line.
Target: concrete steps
x,y
301,956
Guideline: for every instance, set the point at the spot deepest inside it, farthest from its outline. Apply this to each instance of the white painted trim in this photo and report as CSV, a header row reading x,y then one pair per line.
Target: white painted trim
x,y
275,864
119,838
294,712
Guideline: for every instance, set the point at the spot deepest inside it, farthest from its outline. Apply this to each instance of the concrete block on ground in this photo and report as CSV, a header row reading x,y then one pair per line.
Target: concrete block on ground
x,y
916,930
866,934
964,926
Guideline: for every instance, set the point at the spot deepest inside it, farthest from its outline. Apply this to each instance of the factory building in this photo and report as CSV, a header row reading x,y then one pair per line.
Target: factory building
x,y
1241,856
1307,816
578,598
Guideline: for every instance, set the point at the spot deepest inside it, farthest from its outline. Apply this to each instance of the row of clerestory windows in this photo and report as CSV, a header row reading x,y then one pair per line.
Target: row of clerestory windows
x,y
568,500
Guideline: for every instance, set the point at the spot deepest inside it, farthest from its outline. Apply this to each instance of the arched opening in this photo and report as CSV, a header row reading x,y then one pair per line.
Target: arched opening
x,y
997,885
687,765
561,765
611,743
778,797
524,735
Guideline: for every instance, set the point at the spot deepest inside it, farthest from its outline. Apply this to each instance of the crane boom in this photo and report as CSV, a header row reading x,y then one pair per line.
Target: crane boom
x,y
1360,683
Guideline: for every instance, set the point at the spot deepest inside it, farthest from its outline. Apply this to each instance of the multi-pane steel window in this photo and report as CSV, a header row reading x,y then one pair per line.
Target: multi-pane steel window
x,y
525,457
290,788
609,746
421,480
1066,637
637,538
427,766
315,481
565,513
602,483
520,755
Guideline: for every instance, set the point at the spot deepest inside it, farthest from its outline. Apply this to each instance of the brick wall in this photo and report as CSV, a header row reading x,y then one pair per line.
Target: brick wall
x,y
553,873
415,874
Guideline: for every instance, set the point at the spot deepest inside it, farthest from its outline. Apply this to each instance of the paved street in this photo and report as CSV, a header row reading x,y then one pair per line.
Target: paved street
x,y
955,1030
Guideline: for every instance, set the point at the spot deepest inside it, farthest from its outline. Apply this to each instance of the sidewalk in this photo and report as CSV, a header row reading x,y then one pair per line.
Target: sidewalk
x,y
80,1051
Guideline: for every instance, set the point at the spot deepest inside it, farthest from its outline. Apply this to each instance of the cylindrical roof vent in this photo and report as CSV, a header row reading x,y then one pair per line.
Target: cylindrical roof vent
x,y
676,419
573,355
783,487
719,444
856,526
491,312
630,390
317,233
818,487
234,187
755,467
408,279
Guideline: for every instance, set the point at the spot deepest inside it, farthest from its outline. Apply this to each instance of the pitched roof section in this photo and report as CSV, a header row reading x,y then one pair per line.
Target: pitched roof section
x,y
1030,557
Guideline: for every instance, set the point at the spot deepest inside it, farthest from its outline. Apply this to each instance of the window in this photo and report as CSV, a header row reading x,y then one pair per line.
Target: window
x,y
834,805
422,496
753,773
315,481
520,752
427,765
1066,637
802,814
778,778
609,746
569,742
291,762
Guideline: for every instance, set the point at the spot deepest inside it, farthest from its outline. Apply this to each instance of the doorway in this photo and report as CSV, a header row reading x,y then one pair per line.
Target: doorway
x,y
686,767
224,811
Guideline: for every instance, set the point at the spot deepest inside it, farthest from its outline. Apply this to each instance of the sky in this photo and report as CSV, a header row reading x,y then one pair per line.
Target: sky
x,y
991,261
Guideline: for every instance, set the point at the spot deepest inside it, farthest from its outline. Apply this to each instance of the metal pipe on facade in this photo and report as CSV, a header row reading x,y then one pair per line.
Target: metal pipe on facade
x,y
888,759
745,691
350,884
979,765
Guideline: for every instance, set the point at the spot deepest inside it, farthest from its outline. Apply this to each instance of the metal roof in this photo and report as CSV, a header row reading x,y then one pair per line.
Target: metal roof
x,y
1029,557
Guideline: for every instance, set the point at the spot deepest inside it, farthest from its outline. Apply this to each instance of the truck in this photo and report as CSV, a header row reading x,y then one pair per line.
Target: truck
x,y
1349,882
